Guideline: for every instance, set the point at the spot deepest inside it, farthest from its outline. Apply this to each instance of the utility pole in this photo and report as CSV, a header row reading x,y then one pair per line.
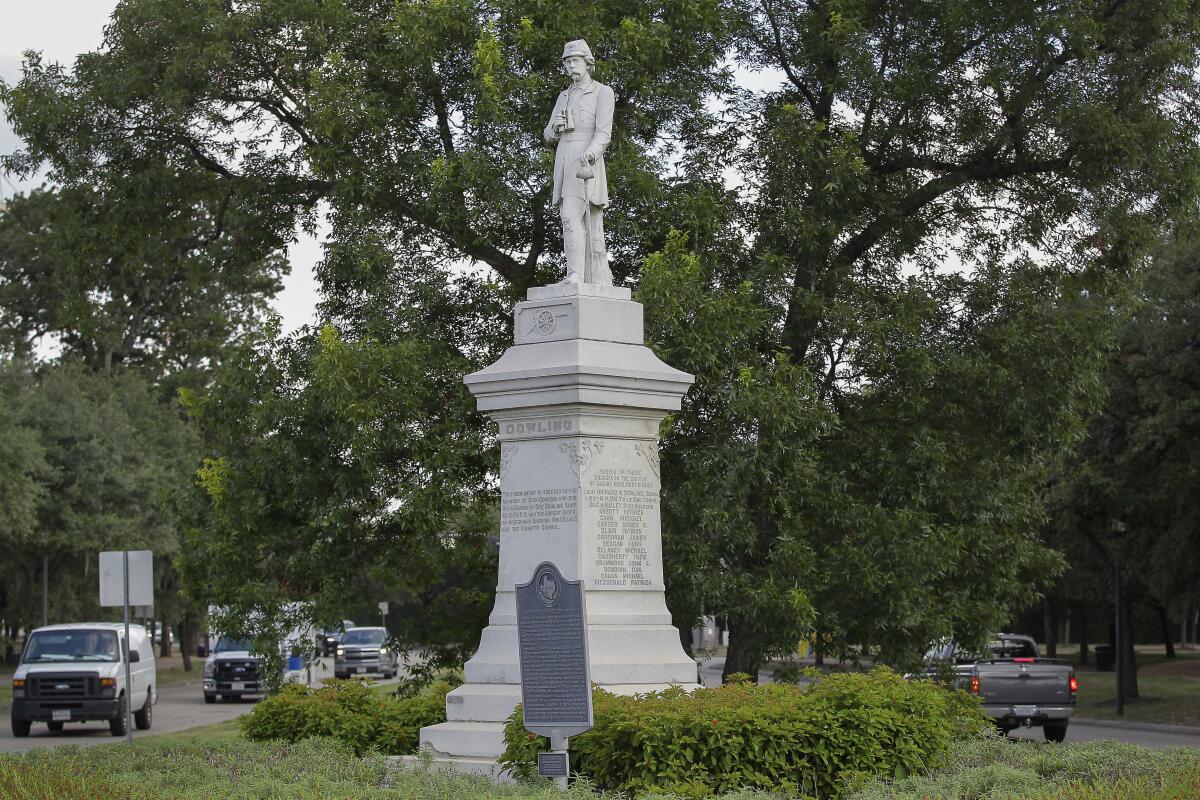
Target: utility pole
x,y
45,585
1118,528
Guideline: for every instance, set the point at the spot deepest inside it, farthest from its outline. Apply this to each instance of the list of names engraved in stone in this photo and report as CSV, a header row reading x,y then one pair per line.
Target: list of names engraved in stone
x,y
538,510
624,500
554,667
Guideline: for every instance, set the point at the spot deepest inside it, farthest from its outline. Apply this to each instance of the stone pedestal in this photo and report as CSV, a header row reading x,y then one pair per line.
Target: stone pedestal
x,y
578,400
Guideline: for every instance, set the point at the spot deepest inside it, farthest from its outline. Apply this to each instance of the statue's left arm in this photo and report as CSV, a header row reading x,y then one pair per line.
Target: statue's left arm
x,y
605,101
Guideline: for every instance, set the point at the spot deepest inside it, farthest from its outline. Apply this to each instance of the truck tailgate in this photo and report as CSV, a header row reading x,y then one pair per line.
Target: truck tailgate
x,y
1004,683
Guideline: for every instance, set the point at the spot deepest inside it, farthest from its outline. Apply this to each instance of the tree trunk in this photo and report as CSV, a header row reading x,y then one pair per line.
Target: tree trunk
x,y
1050,626
1082,627
1130,676
164,649
187,640
742,654
1165,621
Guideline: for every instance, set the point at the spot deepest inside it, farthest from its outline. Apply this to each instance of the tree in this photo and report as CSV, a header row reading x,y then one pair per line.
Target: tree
x,y
112,455
869,429
1137,465
153,270
339,468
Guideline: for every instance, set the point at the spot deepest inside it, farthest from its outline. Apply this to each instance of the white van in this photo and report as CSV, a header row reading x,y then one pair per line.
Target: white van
x,y
74,673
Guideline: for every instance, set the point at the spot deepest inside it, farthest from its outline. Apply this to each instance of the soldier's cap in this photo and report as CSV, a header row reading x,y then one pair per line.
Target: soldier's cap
x,y
578,47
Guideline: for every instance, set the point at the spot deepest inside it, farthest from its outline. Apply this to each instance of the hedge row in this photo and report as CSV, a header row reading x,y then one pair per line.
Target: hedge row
x,y
350,712
821,741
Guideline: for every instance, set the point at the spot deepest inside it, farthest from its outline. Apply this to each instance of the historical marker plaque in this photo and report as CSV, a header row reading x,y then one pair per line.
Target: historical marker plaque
x,y
553,764
556,689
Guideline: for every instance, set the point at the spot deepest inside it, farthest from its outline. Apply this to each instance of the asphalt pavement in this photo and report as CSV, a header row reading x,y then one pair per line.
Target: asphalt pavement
x,y
180,706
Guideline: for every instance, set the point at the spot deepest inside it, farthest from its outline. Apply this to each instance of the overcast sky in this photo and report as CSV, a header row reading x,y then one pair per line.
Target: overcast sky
x,y
61,30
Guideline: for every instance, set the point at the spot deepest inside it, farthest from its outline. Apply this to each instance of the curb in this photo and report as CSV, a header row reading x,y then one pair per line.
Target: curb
x,y
1186,730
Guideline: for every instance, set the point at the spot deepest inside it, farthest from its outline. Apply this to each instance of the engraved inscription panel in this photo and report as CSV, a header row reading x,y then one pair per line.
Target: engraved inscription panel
x,y
527,510
622,502
551,646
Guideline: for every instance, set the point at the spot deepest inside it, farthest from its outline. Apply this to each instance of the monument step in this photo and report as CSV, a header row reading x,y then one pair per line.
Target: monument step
x,y
482,702
484,767
465,739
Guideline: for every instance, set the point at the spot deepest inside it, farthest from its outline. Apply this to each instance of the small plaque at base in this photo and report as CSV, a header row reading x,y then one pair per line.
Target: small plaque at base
x,y
553,764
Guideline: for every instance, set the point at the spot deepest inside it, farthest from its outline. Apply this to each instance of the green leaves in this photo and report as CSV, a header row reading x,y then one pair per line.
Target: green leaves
x,y
821,740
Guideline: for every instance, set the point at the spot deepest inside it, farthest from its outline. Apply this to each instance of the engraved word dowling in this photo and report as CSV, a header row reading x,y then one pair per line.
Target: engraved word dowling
x,y
537,426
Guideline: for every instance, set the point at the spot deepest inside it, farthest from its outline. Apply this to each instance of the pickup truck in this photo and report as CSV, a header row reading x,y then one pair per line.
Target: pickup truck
x,y
76,673
365,650
233,672
1017,686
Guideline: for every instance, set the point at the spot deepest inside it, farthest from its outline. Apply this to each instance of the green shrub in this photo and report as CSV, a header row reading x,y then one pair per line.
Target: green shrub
x,y
841,732
350,712
991,767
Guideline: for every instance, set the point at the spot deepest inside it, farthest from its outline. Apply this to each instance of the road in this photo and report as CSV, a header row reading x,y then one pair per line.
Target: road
x,y
1082,730
179,707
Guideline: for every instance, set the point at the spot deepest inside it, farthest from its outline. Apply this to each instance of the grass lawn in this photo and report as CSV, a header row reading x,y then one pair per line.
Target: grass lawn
x,y
1169,688
196,767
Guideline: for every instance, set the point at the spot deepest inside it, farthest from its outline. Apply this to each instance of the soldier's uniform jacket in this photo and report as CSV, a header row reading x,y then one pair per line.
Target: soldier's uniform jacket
x,y
591,112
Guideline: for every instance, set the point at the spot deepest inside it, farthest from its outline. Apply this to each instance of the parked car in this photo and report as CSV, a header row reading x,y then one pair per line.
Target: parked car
x,y
76,673
232,671
328,640
1017,686
365,651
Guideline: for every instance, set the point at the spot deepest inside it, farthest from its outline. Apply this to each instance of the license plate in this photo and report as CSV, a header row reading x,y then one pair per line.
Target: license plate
x,y
361,669
61,715
1025,711
238,687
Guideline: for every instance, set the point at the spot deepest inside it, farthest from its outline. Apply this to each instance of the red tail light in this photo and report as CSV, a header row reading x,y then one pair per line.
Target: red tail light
x,y
1024,660
974,684
1074,684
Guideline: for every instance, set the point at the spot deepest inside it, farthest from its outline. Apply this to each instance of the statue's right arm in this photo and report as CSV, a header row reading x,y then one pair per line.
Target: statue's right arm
x,y
550,134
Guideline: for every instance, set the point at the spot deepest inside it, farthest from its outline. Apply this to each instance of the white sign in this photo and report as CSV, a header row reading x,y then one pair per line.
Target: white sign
x,y
383,606
141,578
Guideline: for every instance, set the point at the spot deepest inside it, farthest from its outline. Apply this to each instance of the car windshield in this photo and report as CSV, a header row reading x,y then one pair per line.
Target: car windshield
x,y
364,636
71,645
228,645
940,651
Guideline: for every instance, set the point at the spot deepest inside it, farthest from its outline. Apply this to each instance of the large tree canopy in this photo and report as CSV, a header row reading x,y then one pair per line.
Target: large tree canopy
x,y
891,271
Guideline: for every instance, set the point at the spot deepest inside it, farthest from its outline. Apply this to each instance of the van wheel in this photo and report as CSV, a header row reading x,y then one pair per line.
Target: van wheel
x,y
54,727
20,727
1054,733
210,698
116,726
145,716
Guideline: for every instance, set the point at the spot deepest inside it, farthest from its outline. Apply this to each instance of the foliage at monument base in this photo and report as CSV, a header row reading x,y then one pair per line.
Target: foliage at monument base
x,y
842,732
350,712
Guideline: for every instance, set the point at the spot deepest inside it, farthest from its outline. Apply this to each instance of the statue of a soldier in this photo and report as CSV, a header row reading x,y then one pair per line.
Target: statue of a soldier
x,y
581,127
